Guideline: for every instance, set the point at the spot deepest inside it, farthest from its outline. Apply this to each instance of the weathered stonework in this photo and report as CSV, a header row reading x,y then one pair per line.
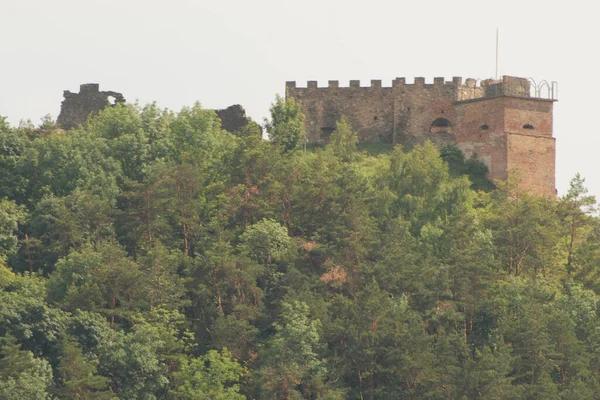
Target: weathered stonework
x,y
233,118
77,107
498,121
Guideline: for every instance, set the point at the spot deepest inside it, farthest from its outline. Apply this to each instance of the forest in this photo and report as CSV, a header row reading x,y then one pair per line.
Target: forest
x,y
149,254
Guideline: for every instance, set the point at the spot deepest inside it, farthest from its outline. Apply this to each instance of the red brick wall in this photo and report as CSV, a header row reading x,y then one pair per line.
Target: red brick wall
x,y
488,145
533,157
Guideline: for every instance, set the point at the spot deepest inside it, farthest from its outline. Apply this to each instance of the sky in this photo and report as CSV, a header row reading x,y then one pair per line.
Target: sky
x,y
225,52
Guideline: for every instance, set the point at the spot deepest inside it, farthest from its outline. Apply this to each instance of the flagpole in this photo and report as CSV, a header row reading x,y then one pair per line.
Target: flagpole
x,y
496,53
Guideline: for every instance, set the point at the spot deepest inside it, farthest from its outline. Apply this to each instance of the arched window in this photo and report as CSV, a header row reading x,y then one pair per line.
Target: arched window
x,y
440,125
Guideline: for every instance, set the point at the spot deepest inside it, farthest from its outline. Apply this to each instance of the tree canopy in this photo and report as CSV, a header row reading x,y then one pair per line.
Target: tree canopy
x,y
149,254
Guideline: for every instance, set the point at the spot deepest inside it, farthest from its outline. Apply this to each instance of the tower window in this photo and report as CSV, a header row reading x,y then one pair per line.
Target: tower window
x,y
528,126
440,125
484,127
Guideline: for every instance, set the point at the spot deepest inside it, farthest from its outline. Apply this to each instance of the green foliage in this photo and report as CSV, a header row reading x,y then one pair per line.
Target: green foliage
x,y
78,375
11,215
472,167
199,139
60,163
343,140
135,362
151,255
291,356
12,145
266,241
286,126
22,376
214,375
577,208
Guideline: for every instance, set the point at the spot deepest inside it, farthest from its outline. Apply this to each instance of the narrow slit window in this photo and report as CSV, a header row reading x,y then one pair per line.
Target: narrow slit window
x,y
528,126
484,127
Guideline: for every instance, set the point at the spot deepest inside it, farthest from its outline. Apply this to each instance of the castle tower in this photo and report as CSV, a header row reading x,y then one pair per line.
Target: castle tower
x,y
501,122
509,128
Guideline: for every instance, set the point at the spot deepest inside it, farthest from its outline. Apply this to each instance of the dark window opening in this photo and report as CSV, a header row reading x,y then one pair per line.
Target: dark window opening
x,y
440,125
484,127
528,126
326,132
375,118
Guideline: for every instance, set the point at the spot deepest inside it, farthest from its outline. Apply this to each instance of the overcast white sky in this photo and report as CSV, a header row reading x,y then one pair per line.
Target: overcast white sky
x,y
225,52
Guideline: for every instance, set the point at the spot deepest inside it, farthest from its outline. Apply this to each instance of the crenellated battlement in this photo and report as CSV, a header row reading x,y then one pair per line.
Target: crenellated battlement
x,y
377,83
454,89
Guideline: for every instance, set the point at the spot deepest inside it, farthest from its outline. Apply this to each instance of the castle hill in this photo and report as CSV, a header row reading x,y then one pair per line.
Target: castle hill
x,y
504,123
361,242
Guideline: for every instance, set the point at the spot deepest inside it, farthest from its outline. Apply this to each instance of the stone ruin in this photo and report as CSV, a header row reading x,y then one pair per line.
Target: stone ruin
x,y
77,107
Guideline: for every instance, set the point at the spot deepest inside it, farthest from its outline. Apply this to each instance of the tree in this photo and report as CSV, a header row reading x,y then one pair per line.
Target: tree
x,y
286,126
213,376
78,376
11,215
266,241
291,356
59,163
526,229
379,346
343,140
26,316
22,376
121,128
577,207
134,363
199,140
99,278
12,145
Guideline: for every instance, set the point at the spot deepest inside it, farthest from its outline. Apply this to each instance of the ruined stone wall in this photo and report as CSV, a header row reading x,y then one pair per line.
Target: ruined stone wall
x,y
233,118
77,107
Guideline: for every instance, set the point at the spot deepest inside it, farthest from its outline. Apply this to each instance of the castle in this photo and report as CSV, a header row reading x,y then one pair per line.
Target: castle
x,y
505,123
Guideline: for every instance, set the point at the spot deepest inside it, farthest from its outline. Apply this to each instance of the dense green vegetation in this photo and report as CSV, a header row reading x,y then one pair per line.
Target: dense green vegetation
x,y
152,255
